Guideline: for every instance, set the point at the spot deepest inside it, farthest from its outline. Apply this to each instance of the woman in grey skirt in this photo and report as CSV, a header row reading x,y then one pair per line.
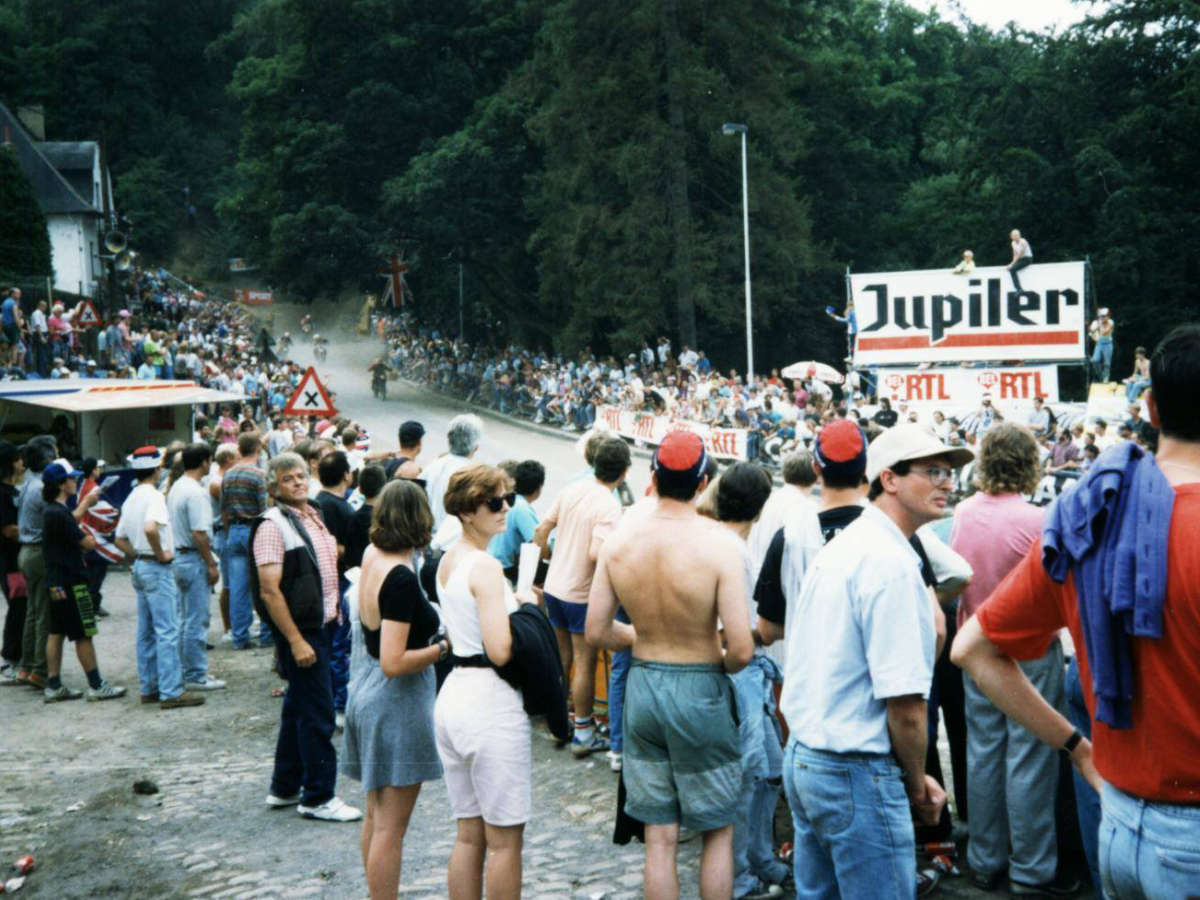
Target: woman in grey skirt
x,y
390,745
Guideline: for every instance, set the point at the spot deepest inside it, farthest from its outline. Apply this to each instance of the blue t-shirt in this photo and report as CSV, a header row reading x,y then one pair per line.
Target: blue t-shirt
x,y
7,311
522,520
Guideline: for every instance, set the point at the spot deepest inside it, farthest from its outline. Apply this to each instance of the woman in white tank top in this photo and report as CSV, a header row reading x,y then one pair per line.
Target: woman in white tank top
x,y
483,733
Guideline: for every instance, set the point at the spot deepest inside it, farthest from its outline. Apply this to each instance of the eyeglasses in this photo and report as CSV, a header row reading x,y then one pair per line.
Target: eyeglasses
x,y
495,504
936,474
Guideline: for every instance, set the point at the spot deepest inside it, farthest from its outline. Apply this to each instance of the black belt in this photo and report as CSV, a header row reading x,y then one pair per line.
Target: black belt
x,y
237,521
478,661
150,557
186,550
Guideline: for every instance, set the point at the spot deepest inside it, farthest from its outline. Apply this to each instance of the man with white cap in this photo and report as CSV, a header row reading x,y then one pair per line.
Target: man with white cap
x,y
144,532
857,680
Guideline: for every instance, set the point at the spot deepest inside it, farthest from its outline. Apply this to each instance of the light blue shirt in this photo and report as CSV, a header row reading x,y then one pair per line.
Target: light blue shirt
x,y
862,632
522,520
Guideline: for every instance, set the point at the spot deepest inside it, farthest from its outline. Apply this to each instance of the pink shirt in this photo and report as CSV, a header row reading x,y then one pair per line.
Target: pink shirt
x,y
584,513
992,532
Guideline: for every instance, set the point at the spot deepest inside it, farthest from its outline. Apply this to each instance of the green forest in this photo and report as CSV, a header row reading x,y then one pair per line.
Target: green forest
x,y
568,154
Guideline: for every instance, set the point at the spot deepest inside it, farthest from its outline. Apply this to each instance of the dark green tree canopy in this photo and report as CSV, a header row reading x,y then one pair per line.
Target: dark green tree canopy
x,y
566,156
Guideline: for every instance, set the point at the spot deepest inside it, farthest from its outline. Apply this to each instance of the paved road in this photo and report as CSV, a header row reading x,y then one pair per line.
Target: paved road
x,y
66,770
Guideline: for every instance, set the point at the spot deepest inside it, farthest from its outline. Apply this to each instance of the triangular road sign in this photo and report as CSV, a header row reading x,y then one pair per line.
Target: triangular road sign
x,y
310,398
88,314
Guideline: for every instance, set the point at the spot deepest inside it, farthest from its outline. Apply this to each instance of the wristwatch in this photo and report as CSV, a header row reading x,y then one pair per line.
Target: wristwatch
x,y
445,645
1072,742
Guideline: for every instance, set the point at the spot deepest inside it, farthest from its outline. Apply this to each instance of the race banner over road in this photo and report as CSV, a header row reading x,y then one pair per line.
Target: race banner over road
x,y
906,318
956,388
725,443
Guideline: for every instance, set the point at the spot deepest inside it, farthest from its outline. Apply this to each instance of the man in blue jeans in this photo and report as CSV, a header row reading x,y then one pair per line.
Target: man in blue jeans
x,y
742,491
296,573
243,499
194,567
861,645
144,532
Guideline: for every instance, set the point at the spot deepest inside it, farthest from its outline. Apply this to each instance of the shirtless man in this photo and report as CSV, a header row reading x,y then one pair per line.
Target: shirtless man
x,y
675,573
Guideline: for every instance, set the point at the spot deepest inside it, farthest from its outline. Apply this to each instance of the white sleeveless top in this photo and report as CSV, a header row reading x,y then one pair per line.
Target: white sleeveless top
x,y
460,609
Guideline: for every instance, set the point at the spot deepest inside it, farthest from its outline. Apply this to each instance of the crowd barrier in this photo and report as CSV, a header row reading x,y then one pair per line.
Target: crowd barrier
x,y
723,443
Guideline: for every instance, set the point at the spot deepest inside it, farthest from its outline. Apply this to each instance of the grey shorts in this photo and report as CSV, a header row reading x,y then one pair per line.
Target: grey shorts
x,y
682,759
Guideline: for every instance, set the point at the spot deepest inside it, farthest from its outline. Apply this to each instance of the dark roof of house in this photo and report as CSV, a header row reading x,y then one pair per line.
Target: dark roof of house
x,y
69,154
53,192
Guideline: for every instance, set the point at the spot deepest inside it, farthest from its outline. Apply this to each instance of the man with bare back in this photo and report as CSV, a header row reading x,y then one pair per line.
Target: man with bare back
x,y
681,580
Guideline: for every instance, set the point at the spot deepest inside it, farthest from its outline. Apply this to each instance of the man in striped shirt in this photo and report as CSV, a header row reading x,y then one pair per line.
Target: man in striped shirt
x,y
243,499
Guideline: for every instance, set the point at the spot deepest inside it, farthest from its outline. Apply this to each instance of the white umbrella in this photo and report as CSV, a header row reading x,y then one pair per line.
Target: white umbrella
x,y
804,370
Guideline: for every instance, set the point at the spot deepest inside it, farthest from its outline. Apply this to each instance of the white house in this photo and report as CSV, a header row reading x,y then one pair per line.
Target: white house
x,y
74,190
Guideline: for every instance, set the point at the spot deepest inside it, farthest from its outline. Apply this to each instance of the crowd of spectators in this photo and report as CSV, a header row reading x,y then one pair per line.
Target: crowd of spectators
x,y
779,414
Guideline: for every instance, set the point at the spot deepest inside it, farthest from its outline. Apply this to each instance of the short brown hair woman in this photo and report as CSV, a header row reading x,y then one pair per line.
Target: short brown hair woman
x,y
389,739
483,734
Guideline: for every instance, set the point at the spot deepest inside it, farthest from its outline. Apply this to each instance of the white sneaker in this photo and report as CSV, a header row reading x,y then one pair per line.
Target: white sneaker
x,y
208,684
339,721
60,693
227,637
279,802
332,810
614,760
106,691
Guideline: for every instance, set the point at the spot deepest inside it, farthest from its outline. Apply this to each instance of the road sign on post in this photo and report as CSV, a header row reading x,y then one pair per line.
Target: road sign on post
x,y
310,398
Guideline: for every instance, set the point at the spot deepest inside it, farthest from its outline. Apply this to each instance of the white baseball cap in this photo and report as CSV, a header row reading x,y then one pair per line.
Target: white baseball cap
x,y
907,441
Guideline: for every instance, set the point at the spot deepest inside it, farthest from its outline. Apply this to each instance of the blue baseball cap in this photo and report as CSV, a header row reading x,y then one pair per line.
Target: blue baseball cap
x,y
59,471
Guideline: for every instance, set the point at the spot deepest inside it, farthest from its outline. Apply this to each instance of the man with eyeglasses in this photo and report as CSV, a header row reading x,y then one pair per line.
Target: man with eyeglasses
x,y
858,675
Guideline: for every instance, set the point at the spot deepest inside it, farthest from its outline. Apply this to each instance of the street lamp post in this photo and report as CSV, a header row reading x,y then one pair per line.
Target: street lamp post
x,y
734,128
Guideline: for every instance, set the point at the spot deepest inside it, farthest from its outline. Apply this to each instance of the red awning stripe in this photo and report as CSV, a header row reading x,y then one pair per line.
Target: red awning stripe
x,y
970,339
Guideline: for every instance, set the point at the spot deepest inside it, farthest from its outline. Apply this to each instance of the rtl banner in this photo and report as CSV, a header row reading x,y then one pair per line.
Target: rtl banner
x,y
253,298
963,388
725,443
932,316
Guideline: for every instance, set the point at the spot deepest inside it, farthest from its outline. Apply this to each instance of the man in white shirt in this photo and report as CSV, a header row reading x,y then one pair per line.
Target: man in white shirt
x,y
39,332
463,435
857,679
144,532
195,566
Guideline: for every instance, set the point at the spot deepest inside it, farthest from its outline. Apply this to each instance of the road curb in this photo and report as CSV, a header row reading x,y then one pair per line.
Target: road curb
x,y
525,424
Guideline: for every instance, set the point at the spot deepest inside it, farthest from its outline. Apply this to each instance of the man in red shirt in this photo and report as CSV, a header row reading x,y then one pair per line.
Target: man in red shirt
x,y
1148,773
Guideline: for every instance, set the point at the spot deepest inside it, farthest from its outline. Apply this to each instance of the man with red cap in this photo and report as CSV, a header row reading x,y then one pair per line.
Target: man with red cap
x,y
676,574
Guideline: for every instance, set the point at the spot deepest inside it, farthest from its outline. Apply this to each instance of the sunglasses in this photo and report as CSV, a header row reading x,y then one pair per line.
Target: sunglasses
x,y
495,504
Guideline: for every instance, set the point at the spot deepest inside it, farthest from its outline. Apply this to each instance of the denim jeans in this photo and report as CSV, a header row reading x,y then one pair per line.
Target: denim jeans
x,y
339,652
191,580
618,675
241,606
1148,850
762,761
305,759
1014,268
1102,358
1134,389
854,831
1087,801
159,669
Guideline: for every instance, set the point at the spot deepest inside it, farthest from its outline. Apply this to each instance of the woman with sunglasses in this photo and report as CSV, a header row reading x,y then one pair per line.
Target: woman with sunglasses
x,y
389,740
483,733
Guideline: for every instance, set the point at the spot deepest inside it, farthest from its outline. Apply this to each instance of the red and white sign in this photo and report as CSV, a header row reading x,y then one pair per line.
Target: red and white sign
x,y
963,388
934,316
725,443
310,398
253,298
87,314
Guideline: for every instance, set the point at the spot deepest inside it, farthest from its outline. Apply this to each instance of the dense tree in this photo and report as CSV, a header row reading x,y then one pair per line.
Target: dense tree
x,y
567,155
24,241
